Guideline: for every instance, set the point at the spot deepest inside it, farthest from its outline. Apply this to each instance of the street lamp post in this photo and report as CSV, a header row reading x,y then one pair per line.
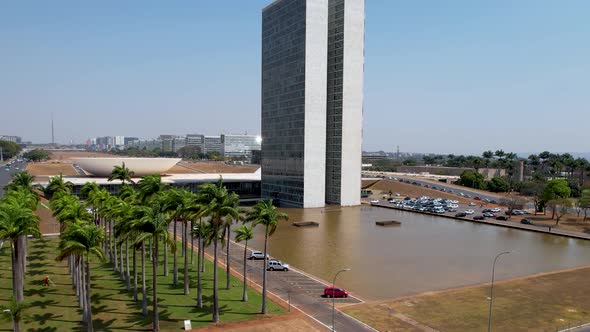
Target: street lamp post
x,y
492,287
333,303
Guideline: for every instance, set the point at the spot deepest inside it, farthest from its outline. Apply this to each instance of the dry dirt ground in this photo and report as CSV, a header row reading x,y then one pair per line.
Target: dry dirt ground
x,y
46,168
219,167
543,302
569,222
64,156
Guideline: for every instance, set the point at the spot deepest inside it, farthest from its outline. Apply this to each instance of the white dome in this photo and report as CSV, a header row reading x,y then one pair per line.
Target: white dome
x,y
141,166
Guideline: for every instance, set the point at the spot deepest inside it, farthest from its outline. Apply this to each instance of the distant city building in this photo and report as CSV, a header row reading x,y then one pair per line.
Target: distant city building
x,y
240,146
212,144
369,157
119,140
179,143
167,142
312,82
127,141
10,138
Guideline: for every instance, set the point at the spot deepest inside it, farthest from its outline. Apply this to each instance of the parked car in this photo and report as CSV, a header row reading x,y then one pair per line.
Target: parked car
x,y
526,221
489,215
257,255
335,292
472,204
502,218
374,201
496,210
479,218
276,265
469,211
477,198
461,215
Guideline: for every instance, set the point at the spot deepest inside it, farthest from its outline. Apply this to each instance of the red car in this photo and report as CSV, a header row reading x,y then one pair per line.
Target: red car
x,y
477,198
335,292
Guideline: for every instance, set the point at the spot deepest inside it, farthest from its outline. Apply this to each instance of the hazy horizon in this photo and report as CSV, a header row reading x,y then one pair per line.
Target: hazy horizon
x,y
460,77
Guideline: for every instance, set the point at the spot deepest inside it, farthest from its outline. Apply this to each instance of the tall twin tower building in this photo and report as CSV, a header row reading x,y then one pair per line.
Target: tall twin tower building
x,y
312,101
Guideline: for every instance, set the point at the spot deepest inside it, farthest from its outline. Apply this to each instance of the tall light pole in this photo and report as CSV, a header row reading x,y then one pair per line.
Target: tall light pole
x,y
333,302
492,287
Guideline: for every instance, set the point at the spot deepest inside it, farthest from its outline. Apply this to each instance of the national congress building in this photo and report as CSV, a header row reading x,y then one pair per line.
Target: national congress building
x,y
312,101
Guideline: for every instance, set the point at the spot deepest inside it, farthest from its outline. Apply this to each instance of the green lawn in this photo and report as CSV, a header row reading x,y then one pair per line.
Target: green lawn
x,y
55,308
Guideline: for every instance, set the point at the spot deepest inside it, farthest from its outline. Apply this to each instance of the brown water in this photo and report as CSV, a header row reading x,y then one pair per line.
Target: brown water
x,y
425,253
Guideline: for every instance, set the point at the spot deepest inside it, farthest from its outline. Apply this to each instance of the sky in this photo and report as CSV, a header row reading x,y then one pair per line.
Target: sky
x,y
457,76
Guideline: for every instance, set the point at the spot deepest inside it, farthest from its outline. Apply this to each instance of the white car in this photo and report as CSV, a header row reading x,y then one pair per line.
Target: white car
x,y
374,201
496,210
276,265
453,206
257,255
469,211
472,204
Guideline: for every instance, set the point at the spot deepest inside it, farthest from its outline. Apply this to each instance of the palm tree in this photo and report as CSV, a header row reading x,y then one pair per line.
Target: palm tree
x,y
83,239
121,173
149,186
154,225
234,200
217,205
14,312
265,213
487,155
58,185
244,233
17,221
200,231
22,179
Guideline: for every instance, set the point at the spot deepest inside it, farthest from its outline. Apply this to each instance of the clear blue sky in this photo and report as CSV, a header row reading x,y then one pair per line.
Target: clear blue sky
x,y
455,76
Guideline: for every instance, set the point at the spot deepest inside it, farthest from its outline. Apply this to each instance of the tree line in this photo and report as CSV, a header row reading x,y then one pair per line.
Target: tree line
x,y
132,227
9,149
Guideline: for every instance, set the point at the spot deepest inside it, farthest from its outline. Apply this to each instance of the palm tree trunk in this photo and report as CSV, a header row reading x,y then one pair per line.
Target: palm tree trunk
x,y
227,278
18,267
264,272
112,244
215,296
127,273
244,293
88,303
83,291
150,253
16,324
121,266
143,288
199,290
134,274
116,266
165,259
175,260
192,241
186,290
202,252
16,281
24,254
156,320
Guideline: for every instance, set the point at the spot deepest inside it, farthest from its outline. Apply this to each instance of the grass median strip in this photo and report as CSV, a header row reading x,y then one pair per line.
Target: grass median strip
x,y
539,303
55,308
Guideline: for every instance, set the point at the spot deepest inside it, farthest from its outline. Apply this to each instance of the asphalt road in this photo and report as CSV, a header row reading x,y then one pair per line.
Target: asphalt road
x,y
449,189
6,174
